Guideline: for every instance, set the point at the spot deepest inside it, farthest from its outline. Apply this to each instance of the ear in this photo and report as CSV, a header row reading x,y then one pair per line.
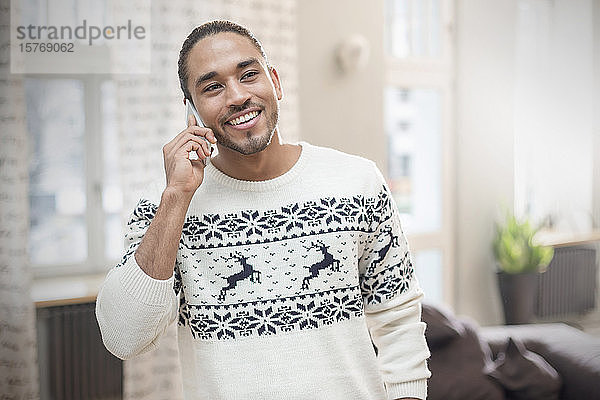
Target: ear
x,y
276,82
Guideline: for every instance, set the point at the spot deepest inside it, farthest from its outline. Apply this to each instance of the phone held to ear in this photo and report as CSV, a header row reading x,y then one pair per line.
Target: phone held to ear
x,y
191,110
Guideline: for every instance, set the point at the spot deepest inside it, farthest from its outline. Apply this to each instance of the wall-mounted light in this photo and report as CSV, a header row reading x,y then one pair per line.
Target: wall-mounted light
x,y
352,54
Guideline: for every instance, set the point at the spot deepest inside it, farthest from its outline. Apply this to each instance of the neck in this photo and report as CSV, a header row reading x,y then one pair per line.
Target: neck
x,y
275,160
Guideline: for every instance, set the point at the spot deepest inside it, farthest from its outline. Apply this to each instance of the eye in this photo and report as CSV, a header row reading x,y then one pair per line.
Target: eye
x,y
212,87
249,74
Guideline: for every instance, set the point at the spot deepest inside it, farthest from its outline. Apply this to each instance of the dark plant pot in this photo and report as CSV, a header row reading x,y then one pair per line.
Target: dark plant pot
x,y
518,293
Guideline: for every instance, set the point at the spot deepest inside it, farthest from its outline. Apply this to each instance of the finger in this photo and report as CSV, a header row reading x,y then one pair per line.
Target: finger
x,y
187,134
200,150
190,146
206,147
205,132
193,131
198,131
191,119
176,142
200,138
184,139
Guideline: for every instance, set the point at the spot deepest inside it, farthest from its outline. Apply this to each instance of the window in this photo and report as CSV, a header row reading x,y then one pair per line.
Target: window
x,y
57,189
75,199
417,112
74,194
414,28
414,158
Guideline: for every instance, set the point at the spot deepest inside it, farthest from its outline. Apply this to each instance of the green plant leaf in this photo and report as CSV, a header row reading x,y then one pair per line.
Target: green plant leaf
x,y
514,248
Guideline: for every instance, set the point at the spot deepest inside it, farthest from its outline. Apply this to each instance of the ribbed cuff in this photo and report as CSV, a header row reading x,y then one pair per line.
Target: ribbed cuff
x,y
143,287
416,389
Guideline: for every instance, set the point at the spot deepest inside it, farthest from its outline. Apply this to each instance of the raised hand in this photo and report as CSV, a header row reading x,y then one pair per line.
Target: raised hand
x,y
183,174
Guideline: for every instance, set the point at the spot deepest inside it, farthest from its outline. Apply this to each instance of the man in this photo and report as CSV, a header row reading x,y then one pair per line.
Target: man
x,y
283,264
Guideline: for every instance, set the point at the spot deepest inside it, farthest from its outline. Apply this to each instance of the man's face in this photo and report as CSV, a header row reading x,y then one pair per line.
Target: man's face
x,y
234,91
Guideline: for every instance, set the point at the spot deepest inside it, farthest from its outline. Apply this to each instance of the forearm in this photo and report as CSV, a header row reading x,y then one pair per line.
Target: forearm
x,y
133,310
136,302
398,333
157,252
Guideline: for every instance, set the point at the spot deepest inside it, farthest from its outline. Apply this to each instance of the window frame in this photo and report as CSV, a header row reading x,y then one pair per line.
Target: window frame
x,y
439,75
96,260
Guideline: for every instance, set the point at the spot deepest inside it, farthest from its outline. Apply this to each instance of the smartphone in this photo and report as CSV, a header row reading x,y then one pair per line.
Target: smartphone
x,y
190,109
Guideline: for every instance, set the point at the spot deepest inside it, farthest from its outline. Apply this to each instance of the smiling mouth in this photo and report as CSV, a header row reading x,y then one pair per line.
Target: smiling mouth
x,y
243,118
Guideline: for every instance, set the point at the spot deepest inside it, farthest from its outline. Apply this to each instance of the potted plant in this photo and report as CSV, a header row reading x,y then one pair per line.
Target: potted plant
x,y
520,260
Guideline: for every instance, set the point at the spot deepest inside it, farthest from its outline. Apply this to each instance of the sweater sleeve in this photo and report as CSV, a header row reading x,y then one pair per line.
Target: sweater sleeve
x,y
133,309
392,301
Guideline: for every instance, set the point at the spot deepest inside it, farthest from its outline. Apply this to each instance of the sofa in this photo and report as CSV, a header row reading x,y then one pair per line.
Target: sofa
x,y
513,362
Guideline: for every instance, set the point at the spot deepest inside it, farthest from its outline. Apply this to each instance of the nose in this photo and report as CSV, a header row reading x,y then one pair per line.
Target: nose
x,y
237,94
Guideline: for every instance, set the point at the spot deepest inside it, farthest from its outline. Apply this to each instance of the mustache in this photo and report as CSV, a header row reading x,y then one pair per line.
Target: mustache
x,y
237,109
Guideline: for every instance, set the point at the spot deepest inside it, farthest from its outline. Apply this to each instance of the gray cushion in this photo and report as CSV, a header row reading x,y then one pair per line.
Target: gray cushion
x,y
574,354
458,360
524,374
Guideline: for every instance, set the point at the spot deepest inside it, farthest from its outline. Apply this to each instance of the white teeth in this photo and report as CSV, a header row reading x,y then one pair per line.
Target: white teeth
x,y
244,118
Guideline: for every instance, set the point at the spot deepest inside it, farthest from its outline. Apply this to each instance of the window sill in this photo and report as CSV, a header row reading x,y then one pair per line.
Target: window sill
x,y
46,292
561,239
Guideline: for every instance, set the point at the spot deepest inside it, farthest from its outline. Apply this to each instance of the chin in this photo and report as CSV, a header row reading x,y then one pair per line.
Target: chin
x,y
249,144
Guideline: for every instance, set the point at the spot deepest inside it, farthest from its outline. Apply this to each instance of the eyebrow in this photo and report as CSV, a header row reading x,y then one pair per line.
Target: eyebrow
x,y
212,74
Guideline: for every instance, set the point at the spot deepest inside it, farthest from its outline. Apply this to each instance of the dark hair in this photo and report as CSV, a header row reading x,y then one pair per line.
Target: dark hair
x,y
203,31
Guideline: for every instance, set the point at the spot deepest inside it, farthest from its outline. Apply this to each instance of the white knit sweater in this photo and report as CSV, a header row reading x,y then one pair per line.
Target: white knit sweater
x,y
281,289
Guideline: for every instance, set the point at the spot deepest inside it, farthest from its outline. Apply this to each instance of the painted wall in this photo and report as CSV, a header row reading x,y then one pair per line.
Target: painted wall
x,y
344,111
596,131
485,68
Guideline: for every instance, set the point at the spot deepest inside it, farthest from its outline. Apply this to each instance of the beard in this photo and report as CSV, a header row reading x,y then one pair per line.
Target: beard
x,y
250,144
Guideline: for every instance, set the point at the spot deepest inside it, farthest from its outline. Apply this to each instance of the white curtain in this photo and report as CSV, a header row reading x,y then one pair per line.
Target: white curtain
x,y
554,121
18,351
150,112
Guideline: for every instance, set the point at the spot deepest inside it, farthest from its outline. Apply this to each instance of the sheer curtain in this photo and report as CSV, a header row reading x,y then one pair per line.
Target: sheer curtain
x,y
150,112
18,362
554,115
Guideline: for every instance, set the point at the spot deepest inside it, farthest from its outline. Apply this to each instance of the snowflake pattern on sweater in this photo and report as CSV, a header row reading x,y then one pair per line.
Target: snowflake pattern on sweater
x,y
265,272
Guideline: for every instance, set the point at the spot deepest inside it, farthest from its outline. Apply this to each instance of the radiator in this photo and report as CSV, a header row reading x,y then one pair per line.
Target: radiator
x,y
569,284
73,362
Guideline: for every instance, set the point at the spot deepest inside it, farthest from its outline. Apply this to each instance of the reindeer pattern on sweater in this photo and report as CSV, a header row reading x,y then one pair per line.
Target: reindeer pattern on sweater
x,y
312,262
258,272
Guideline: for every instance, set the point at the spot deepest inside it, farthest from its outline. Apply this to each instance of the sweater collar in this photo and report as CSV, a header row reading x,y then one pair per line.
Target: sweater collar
x,y
259,186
